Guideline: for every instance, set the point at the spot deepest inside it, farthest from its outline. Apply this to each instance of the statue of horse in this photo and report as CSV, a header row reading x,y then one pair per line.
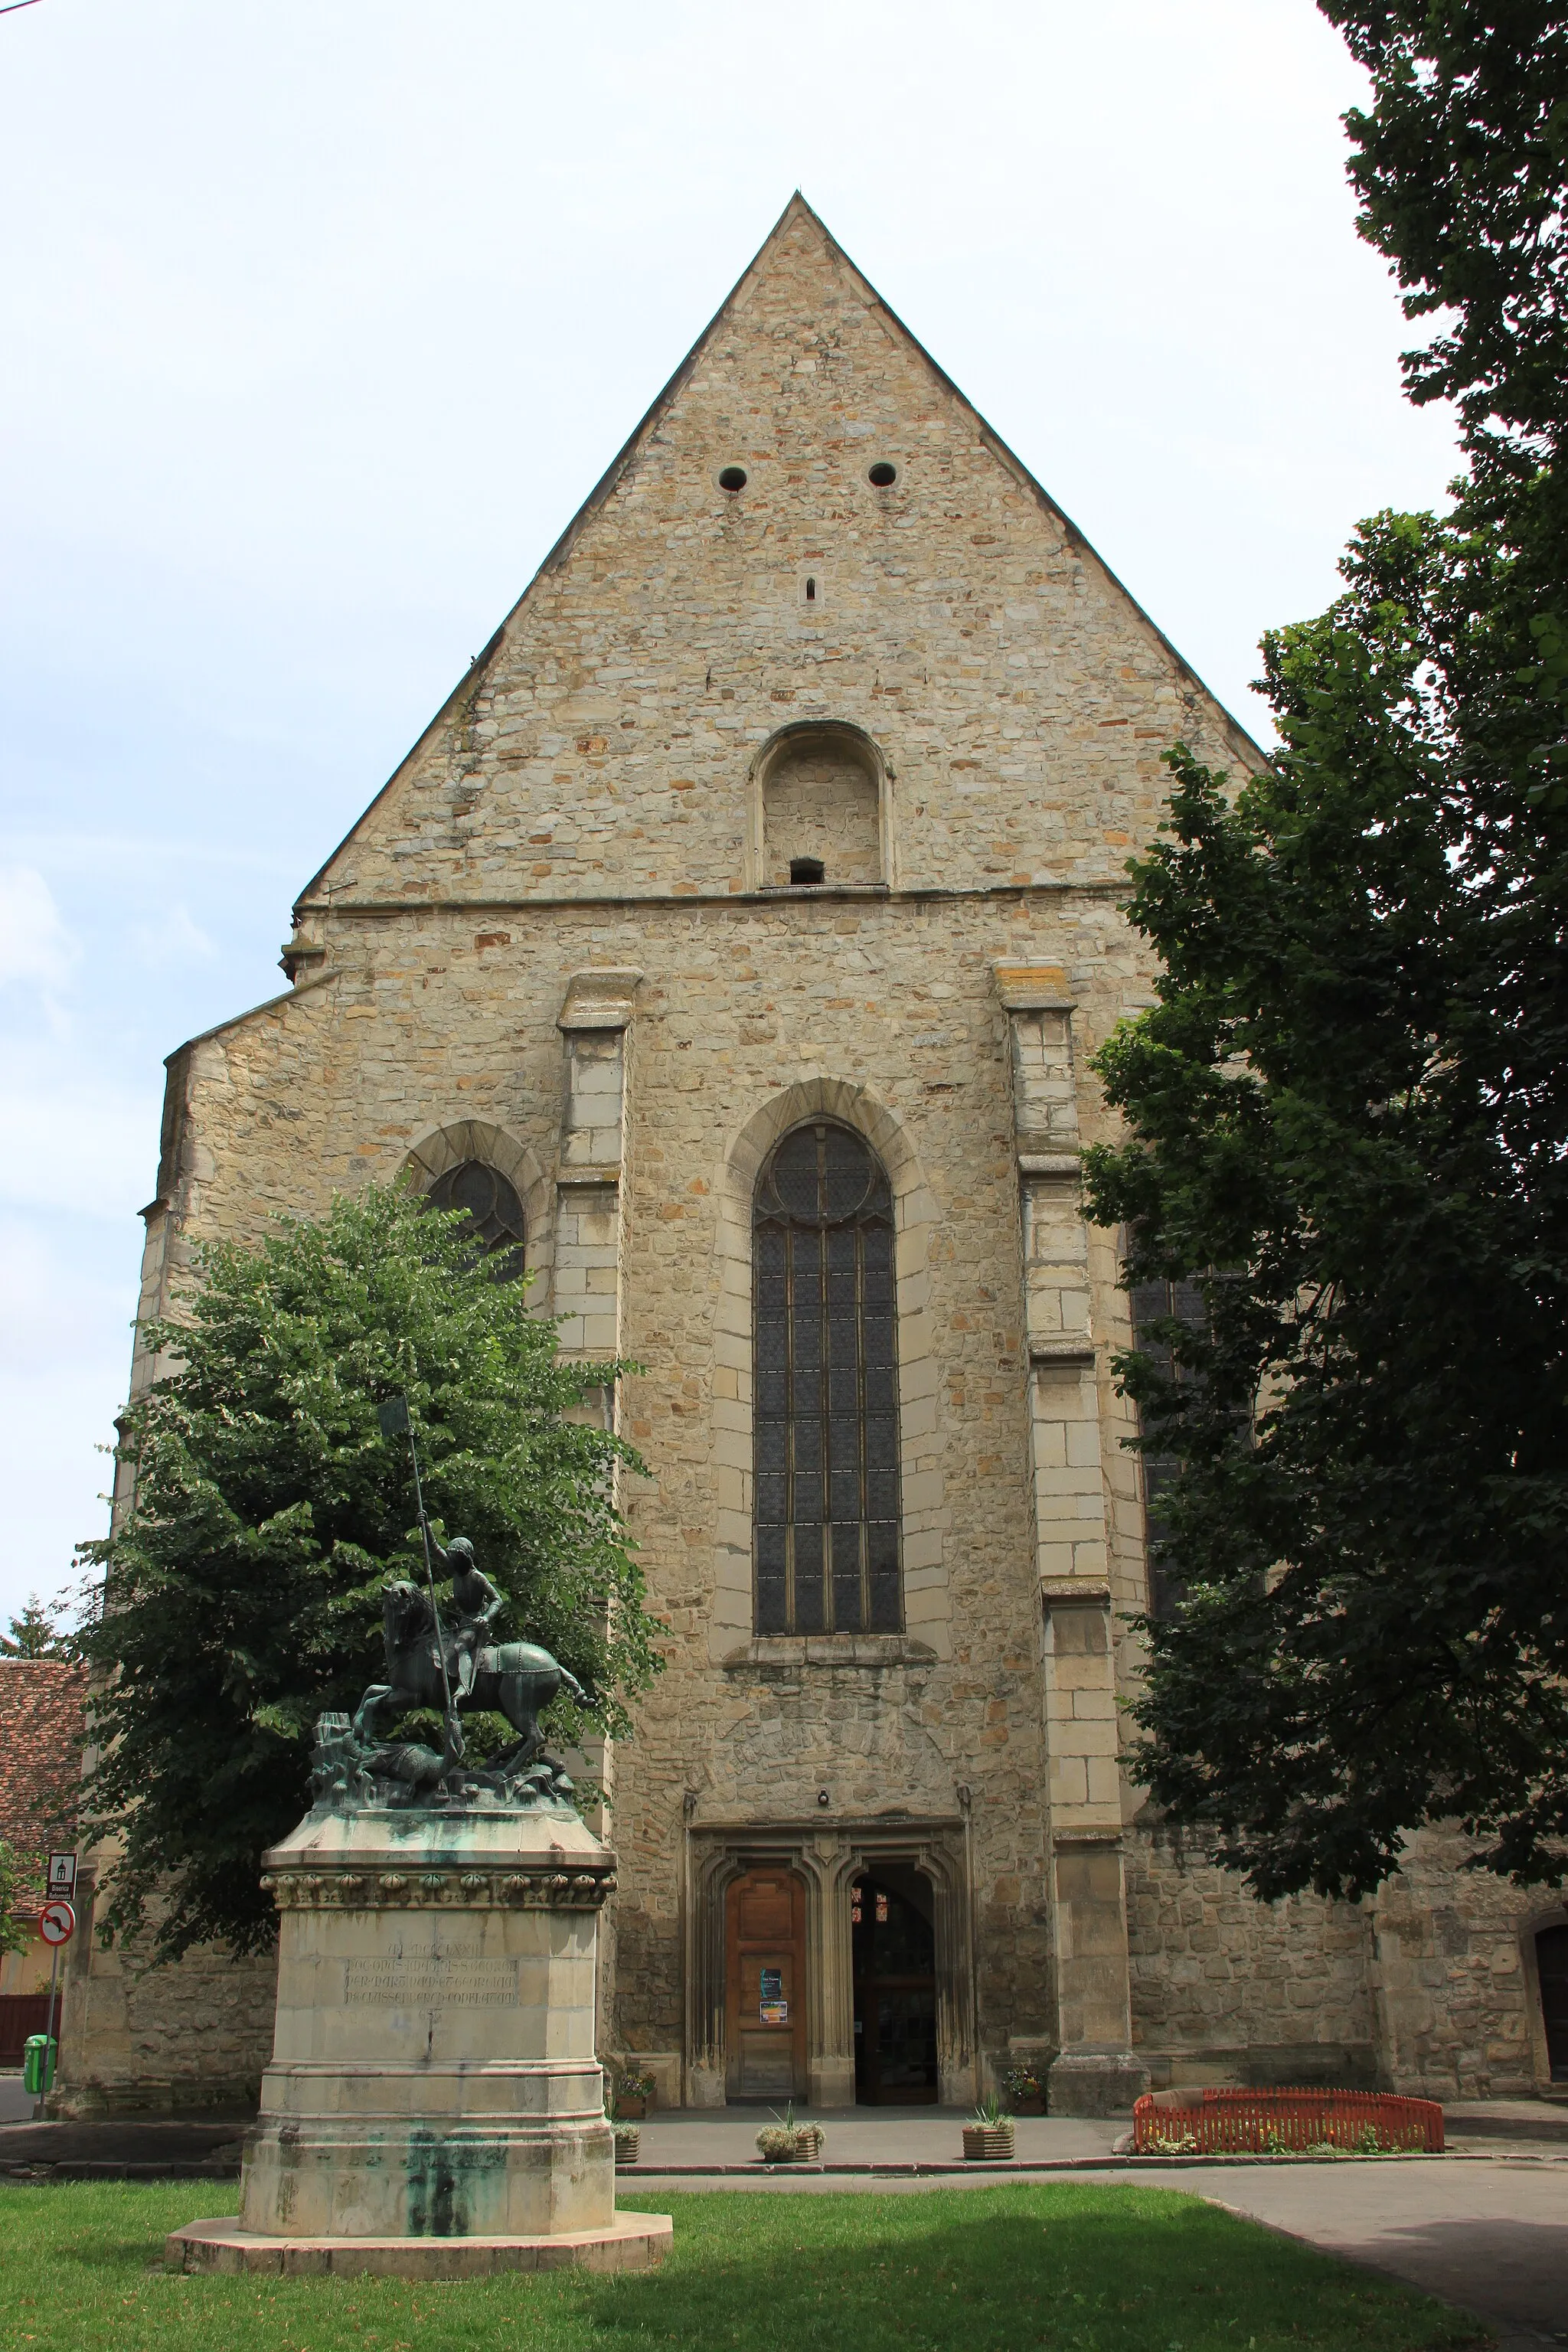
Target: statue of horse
x,y
517,1679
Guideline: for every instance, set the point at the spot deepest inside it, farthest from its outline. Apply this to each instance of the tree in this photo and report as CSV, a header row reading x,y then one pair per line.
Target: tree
x,y
37,1633
243,1591
20,1875
1348,1112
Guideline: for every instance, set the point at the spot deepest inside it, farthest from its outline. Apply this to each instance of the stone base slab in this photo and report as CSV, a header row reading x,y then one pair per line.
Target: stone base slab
x,y
1095,2083
632,2241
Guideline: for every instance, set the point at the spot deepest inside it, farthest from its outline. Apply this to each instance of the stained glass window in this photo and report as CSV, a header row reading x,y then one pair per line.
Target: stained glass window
x,y
495,1212
826,1382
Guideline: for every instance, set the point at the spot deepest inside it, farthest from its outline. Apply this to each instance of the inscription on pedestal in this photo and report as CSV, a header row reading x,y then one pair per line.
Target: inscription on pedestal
x,y
431,1980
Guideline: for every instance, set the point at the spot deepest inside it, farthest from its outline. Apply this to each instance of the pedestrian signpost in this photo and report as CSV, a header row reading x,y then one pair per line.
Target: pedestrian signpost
x,y
57,1926
62,1876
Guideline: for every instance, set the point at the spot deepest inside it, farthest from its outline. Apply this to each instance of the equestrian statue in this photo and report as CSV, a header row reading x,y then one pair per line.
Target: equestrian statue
x,y
452,1667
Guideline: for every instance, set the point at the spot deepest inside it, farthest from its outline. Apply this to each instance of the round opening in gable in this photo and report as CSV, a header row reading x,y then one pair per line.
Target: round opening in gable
x,y
734,478
883,475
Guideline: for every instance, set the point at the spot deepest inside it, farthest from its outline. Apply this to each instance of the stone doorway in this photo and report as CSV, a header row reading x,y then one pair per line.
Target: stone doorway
x,y
1552,1966
804,1930
765,1986
893,1947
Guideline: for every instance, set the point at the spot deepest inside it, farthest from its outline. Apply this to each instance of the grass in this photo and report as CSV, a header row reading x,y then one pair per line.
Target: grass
x,y
1025,2269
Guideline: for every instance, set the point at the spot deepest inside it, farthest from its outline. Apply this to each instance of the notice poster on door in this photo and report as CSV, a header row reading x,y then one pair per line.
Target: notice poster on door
x,y
772,2006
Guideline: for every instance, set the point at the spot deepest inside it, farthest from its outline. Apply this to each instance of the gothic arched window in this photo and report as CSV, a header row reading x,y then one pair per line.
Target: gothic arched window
x,y
495,1212
826,1423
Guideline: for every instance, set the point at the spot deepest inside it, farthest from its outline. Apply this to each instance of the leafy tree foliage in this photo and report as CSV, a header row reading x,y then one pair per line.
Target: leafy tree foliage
x,y
243,1593
38,1633
1348,1112
21,1874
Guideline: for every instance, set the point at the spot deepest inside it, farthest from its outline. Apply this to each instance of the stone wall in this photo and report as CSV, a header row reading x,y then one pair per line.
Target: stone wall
x,y
139,2040
1229,1989
1459,2010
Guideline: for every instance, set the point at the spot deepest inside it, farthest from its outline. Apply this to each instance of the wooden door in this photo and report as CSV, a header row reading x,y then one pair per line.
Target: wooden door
x,y
765,1986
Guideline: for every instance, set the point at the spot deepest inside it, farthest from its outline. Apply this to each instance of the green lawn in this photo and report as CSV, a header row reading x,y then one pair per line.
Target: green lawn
x,y
977,2270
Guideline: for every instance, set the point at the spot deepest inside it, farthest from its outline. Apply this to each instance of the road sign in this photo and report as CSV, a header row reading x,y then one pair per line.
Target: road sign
x,y
62,1874
57,1922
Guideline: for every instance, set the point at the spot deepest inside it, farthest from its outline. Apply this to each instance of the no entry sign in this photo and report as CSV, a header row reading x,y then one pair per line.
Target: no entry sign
x,y
57,1923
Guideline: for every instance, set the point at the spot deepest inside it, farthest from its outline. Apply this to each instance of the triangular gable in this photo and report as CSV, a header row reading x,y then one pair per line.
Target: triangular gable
x,y
797,210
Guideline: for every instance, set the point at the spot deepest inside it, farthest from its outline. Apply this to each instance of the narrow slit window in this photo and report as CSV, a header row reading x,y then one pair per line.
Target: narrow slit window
x,y
811,589
825,1441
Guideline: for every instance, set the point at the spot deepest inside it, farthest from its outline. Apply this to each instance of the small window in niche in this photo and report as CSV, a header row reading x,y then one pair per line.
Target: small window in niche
x,y
732,477
806,870
810,589
494,1213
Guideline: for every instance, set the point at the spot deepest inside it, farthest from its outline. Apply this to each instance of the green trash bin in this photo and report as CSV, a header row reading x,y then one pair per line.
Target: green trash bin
x,y
38,2055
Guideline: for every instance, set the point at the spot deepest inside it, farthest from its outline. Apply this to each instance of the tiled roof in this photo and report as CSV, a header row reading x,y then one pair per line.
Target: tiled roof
x,y
42,1703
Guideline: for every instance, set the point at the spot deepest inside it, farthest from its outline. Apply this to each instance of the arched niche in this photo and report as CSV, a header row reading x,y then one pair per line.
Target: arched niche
x,y
446,1148
819,809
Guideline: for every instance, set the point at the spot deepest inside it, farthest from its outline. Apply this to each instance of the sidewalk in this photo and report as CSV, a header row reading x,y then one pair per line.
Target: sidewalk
x,y
687,2140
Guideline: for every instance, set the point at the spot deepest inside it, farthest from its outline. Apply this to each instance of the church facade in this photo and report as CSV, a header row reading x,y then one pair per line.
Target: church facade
x,y
737,935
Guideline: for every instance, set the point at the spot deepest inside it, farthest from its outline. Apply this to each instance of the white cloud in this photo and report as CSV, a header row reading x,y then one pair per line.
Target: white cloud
x,y
34,945
174,939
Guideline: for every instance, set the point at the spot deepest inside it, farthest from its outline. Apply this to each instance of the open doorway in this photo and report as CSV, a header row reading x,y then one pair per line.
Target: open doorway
x,y
1552,1967
894,1948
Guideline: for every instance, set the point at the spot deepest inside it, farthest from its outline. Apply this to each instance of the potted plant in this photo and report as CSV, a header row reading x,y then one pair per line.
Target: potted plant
x,y
635,2097
784,2141
1023,2092
989,2139
629,2140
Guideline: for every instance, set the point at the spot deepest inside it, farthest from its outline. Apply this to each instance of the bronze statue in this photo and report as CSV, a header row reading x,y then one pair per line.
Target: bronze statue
x,y
517,1679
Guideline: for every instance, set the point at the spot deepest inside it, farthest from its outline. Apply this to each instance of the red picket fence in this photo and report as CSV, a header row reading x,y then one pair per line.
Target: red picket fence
x,y
1278,2123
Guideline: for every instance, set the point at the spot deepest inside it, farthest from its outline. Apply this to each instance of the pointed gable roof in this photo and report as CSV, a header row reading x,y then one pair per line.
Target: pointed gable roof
x,y
796,211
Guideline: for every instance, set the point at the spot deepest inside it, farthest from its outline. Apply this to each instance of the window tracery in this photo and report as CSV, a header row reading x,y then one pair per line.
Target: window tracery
x,y
494,1212
826,1359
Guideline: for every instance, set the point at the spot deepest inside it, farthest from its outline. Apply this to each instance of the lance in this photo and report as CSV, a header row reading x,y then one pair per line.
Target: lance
x,y
396,1422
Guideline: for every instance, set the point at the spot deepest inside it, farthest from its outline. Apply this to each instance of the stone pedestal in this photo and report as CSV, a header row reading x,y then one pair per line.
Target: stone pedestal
x,y
434,2105
1088,2082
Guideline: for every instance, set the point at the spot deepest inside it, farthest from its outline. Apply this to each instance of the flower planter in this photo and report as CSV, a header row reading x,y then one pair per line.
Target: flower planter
x,y
988,2143
628,2143
1035,2106
804,2145
632,2106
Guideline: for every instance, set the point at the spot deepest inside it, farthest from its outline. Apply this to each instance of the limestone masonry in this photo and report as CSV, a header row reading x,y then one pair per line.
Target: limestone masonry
x,y
792,800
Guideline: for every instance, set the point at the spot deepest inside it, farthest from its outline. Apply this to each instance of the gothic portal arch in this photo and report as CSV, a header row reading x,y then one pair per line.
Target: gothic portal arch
x,y
926,1614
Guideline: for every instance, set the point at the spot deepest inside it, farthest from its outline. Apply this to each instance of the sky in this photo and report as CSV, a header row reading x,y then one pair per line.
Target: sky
x,y
320,319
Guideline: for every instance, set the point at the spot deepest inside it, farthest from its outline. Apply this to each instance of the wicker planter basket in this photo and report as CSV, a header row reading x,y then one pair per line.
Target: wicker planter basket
x,y
988,2143
804,2146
